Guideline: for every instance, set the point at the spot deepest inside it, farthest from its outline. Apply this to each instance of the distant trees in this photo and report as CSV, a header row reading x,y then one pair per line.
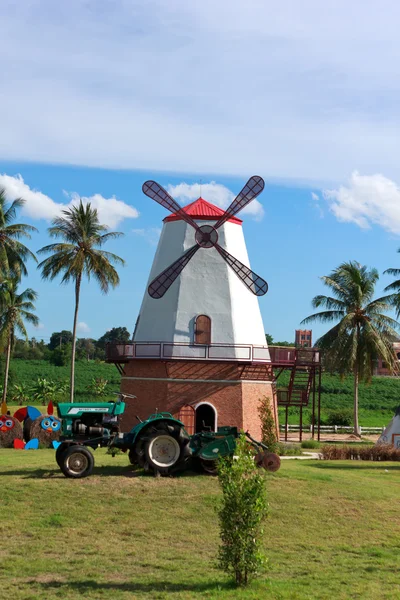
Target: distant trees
x,y
58,338
58,350
78,254
271,342
116,334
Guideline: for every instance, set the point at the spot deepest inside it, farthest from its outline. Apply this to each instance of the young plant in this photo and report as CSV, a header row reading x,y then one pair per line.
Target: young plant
x,y
20,394
98,386
241,514
268,426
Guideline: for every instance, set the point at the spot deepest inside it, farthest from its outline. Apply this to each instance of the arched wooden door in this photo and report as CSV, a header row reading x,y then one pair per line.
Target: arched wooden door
x,y
187,416
202,330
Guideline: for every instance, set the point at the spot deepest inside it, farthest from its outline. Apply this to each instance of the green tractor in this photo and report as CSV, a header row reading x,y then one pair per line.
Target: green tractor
x,y
159,444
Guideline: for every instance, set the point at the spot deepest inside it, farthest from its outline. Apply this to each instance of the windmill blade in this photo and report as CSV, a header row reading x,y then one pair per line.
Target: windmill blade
x,y
256,284
164,280
251,190
156,192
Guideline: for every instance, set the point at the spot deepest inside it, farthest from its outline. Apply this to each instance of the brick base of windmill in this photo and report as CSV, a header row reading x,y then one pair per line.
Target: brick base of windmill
x,y
202,395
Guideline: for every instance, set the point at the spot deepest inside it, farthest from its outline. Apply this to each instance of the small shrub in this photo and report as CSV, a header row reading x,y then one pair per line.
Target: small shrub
x,y
288,449
342,416
98,386
241,514
268,426
383,452
19,394
310,444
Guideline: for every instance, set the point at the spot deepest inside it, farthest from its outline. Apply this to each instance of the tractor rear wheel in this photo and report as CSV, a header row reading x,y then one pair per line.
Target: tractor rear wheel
x,y
76,462
161,448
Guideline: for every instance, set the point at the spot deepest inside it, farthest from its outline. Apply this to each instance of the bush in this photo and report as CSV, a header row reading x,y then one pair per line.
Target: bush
x,y
241,514
378,452
288,449
310,444
268,425
98,386
343,417
59,357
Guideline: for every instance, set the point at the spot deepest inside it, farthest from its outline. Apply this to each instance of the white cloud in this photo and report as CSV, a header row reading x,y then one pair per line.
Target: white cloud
x,y
82,327
111,211
290,90
151,234
39,206
316,204
40,326
367,200
215,193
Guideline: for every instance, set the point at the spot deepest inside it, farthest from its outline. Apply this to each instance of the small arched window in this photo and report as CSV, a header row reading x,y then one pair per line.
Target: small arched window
x,y
202,330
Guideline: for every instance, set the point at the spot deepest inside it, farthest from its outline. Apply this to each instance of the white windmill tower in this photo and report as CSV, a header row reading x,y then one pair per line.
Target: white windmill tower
x,y
199,348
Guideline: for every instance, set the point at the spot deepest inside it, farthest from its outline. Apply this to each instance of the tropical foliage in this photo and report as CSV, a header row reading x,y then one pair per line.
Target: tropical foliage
x,y
13,254
17,308
363,330
79,255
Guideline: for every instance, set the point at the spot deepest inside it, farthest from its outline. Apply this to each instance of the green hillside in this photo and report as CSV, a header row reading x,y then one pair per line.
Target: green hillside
x,y
27,371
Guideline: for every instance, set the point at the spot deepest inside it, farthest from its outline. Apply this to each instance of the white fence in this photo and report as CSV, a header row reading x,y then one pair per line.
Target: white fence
x,y
332,428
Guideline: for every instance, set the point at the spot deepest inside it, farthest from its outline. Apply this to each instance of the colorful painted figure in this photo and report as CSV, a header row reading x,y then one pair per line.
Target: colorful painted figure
x,y
10,428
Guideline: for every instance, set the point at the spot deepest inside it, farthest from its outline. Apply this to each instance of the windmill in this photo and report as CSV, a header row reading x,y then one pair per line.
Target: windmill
x,y
198,349
206,236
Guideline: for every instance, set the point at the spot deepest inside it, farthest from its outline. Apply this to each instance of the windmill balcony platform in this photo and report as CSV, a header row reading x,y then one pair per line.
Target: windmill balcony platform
x,y
286,356
125,352
279,356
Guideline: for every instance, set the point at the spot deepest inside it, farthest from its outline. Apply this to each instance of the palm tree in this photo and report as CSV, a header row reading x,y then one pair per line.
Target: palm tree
x,y
13,253
394,298
16,308
80,254
363,331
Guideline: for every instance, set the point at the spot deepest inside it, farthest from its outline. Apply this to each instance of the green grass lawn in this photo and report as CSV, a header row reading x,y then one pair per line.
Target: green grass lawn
x,y
333,532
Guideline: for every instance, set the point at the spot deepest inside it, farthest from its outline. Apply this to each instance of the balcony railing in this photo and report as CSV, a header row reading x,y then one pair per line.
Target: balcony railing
x,y
121,353
285,355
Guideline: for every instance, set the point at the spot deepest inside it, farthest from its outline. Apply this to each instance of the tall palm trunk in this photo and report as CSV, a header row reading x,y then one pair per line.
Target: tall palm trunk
x,y
8,357
77,292
356,427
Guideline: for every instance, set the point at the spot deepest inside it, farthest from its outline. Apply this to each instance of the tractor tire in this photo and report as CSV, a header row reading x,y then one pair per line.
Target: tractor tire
x,y
209,466
162,448
76,462
60,451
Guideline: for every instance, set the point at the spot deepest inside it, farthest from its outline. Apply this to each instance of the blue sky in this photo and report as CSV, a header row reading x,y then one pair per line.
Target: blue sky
x,y
104,95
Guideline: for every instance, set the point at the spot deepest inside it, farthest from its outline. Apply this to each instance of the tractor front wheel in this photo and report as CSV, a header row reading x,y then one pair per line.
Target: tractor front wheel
x,y
76,462
61,449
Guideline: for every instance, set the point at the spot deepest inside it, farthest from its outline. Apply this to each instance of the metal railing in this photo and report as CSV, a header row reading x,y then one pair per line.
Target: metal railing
x,y
123,352
286,355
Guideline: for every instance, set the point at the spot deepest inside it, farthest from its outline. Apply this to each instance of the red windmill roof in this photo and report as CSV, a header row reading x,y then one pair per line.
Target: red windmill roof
x,y
202,210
